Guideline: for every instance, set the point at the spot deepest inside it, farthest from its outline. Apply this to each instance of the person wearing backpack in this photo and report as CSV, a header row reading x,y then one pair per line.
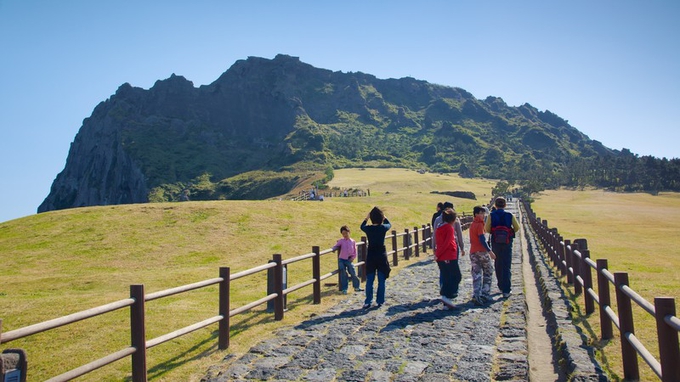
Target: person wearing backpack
x,y
502,225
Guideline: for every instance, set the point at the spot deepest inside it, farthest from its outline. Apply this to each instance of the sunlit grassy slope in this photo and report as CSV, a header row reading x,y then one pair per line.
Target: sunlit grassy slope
x,y
636,233
61,262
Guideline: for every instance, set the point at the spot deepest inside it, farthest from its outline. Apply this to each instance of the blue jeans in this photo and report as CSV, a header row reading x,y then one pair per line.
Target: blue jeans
x,y
345,266
380,298
503,264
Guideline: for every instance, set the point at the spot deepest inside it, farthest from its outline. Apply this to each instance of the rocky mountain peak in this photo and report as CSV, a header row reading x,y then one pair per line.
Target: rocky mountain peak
x,y
269,114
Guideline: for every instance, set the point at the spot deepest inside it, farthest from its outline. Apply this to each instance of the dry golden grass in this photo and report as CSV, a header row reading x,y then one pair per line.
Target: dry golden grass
x,y
61,262
636,233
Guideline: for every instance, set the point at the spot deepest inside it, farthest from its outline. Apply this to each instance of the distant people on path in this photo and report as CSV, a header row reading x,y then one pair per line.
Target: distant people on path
x,y
480,259
346,255
440,208
446,254
502,225
376,258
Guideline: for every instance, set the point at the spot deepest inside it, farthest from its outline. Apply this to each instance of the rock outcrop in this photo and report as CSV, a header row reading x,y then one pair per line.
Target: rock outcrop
x,y
98,170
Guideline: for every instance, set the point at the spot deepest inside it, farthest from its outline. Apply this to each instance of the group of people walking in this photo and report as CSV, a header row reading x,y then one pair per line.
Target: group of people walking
x,y
449,247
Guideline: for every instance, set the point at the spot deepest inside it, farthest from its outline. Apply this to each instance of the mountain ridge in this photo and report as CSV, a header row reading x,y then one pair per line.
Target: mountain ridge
x,y
283,115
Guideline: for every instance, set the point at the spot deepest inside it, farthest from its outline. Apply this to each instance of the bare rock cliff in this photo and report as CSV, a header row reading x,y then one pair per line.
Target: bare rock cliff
x,y
98,171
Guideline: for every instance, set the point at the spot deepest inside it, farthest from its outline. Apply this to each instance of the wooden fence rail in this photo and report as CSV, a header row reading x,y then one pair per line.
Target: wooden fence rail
x,y
573,260
413,243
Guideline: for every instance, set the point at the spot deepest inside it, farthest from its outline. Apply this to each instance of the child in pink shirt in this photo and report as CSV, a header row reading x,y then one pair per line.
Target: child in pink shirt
x,y
347,254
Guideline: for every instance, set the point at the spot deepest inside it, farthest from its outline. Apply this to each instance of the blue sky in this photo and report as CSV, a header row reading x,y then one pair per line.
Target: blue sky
x,y
610,68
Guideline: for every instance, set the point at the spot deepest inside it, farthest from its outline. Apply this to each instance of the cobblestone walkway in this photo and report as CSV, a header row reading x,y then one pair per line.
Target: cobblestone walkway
x,y
410,338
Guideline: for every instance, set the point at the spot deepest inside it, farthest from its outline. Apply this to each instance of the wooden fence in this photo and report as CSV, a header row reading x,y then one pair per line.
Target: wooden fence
x,y
408,243
573,259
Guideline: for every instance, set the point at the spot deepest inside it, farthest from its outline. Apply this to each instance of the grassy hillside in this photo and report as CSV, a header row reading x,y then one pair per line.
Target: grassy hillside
x,y
65,261
635,233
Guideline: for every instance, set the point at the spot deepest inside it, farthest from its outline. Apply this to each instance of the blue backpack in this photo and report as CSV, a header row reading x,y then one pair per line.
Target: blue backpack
x,y
501,232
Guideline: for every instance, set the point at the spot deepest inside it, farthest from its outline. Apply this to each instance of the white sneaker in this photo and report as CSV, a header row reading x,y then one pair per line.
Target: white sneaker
x,y
446,300
506,295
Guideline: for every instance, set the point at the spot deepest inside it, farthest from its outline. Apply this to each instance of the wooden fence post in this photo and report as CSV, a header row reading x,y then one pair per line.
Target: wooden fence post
x,y
407,250
416,241
554,250
340,273
587,275
316,274
424,239
605,300
362,257
224,326
559,250
628,353
545,235
138,333
579,263
668,339
560,255
395,256
278,288
546,239
582,243
568,260
576,267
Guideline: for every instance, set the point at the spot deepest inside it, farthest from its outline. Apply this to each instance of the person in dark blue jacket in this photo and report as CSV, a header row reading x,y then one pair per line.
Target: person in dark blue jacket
x,y
376,258
502,224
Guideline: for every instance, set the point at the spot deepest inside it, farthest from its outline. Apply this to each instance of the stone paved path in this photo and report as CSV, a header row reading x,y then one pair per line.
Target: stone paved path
x,y
410,338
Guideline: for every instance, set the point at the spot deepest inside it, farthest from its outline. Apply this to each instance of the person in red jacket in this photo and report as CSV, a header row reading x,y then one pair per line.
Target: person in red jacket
x,y
446,254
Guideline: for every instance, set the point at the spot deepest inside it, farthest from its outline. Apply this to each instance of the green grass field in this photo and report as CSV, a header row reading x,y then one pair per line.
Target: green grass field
x,y
636,234
61,262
